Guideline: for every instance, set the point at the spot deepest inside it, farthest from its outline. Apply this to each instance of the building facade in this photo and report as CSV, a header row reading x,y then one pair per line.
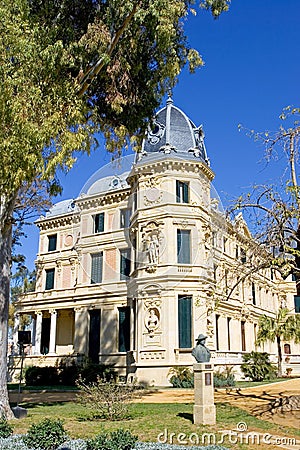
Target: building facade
x,y
131,271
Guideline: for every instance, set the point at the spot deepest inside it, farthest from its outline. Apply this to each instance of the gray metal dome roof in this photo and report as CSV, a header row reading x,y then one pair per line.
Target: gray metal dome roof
x,y
174,132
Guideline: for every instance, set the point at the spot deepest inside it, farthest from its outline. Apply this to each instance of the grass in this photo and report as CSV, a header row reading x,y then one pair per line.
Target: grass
x,y
148,421
248,384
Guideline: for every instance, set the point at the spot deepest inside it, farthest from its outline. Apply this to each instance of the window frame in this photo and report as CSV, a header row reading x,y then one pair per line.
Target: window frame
x,y
49,278
125,214
52,238
181,257
97,222
182,192
124,330
96,275
185,319
125,255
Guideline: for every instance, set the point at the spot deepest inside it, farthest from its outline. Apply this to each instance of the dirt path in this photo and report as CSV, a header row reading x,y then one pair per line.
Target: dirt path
x,y
258,401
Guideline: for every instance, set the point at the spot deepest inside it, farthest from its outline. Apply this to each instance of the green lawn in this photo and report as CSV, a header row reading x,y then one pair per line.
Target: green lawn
x,y
148,421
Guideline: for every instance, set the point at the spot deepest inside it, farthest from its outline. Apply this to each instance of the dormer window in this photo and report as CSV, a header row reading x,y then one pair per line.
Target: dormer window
x,y
182,192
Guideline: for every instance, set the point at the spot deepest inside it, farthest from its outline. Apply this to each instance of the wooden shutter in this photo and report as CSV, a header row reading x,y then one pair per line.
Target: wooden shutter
x,y
97,264
124,329
185,321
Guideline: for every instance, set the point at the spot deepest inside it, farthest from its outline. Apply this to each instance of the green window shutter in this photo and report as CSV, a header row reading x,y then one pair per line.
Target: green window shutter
x,y
49,279
183,247
178,191
99,222
52,242
97,264
185,198
124,329
124,263
125,217
185,321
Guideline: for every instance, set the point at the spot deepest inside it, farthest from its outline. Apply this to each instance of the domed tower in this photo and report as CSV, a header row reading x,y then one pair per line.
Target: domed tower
x,y
171,237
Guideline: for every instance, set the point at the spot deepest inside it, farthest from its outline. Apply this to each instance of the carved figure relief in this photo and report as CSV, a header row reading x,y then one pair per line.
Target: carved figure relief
x,y
152,320
151,239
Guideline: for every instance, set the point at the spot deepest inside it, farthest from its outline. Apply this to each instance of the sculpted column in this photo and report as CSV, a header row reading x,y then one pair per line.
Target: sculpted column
x,y
204,408
38,333
53,323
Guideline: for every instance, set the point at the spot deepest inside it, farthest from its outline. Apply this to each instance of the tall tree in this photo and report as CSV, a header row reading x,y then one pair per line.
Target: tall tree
x,y
71,68
275,209
284,326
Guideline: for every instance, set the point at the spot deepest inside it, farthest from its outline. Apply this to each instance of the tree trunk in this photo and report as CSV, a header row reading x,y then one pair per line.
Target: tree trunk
x,y
279,362
6,210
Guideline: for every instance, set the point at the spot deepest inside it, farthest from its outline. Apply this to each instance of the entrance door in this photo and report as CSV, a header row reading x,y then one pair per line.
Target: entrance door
x,y
94,335
45,338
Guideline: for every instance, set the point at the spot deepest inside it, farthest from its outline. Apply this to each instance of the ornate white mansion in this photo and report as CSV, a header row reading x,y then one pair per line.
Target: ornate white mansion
x,y
144,260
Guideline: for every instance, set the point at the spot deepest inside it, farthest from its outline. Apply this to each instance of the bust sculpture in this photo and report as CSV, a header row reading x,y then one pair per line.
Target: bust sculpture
x,y
201,353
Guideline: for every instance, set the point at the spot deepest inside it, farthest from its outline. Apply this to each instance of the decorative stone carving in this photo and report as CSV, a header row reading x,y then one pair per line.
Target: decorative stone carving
x,y
152,196
152,320
151,239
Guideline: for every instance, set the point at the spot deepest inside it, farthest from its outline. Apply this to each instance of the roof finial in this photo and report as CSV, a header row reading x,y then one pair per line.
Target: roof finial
x,y
169,99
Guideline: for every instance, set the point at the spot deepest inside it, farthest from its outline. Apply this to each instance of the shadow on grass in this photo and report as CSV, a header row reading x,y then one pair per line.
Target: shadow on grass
x,y
187,416
37,405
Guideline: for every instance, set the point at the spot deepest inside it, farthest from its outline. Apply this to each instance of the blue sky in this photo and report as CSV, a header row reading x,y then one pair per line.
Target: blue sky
x,y
251,72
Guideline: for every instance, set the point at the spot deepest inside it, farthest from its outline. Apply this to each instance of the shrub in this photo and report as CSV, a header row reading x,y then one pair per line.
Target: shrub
x,y
106,399
118,440
41,376
224,378
66,374
182,377
48,434
5,429
258,367
90,372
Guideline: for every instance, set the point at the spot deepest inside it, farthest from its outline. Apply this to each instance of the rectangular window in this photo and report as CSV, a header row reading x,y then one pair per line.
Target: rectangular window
x,y
125,257
182,192
224,244
215,272
214,239
228,332
243,336
124,329
297,303
52,242
99,223
183,247
185,321
97,265
125,217
49,279
217,332
243,256
253,294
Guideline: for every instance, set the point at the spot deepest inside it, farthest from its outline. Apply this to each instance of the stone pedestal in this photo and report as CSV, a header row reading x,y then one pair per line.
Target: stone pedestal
x,y
204,408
